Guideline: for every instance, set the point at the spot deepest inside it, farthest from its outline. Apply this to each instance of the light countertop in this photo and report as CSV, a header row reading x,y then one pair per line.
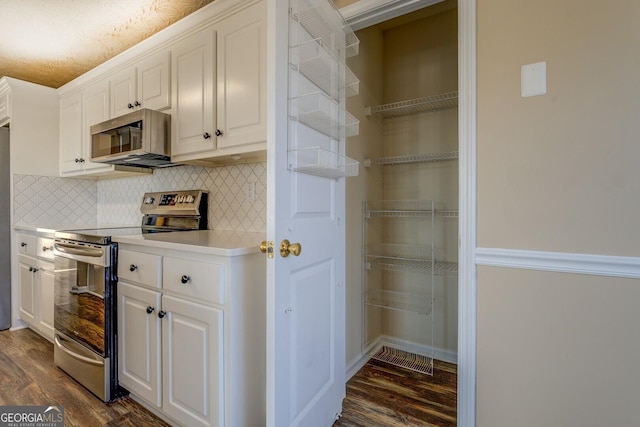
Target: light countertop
x,y
223,243
52,228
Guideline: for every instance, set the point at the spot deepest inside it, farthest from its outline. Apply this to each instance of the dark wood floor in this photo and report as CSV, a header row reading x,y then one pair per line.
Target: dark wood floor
x,y
29,377
378,395
381,394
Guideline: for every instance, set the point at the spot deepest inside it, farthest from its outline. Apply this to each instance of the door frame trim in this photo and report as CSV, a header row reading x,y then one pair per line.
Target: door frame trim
x,y
372,12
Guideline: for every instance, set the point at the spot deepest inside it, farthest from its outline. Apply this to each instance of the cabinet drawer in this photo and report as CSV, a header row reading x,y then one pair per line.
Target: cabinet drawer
x,y
203,280
26,244
140,267
44,248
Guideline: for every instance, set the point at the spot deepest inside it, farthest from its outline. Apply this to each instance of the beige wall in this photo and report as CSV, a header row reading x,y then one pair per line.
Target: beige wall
x,y
557,349
558,173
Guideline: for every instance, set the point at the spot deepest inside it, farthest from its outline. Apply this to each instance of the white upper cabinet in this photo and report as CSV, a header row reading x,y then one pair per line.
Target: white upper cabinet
x,y
123,92
242,78
219,84
192,72
70,132
145,85
78,111
95,106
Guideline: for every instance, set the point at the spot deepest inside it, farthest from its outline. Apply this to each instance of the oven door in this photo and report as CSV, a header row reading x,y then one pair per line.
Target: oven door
x,y
81,274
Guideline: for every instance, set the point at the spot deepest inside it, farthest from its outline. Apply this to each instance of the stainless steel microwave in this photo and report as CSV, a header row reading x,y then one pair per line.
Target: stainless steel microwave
x,y
138,139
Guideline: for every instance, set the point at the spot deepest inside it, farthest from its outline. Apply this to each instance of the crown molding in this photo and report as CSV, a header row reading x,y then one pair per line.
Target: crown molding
x,y
365,13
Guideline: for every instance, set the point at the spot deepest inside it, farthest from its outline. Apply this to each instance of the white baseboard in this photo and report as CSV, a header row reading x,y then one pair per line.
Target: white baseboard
x,y
386,340
565,262
355,365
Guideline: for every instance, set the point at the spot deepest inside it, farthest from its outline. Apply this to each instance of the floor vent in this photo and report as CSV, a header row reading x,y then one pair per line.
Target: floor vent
x,y
405,359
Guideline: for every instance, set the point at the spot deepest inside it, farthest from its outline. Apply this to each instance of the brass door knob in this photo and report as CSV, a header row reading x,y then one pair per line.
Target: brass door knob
x,y
286,248
263,247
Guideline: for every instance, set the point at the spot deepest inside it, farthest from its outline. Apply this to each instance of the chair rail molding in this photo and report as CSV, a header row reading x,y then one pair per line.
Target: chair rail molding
x,y
564,262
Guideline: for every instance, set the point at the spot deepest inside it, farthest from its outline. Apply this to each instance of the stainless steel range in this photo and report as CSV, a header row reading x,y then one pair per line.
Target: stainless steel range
x,y
85,287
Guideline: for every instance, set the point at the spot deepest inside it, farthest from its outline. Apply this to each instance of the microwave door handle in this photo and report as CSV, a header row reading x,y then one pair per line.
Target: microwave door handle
x,y
74,250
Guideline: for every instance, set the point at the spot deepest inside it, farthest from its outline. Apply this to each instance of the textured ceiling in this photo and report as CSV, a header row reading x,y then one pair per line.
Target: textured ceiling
x,y
51,42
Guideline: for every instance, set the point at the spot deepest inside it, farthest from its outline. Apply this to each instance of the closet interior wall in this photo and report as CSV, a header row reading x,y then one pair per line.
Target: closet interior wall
x,y
405,58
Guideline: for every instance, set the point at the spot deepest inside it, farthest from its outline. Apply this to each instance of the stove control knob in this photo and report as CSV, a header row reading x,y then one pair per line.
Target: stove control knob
x,y
190,198
148,200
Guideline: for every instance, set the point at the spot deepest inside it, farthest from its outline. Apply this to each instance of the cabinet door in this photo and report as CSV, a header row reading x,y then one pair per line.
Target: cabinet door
x,y
242,71
192,357
44,294
27,292
193,97
123,92
139,341
96,110
153,82
71,133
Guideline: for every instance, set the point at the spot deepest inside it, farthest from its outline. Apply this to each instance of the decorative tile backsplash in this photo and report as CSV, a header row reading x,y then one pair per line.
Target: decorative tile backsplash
x,y
58,201
49,201
119,199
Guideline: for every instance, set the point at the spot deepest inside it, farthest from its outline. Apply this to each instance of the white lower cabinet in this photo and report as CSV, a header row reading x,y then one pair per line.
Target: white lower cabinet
x,y
36,294
44,297
139,350
35,282
183,341
192,338
27,289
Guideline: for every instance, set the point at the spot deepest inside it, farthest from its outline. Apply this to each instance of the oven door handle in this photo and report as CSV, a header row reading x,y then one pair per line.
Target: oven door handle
x,y
75,355
75,250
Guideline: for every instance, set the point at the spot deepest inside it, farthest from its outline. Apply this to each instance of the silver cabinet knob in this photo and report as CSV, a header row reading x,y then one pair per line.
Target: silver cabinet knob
x,y
185,279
